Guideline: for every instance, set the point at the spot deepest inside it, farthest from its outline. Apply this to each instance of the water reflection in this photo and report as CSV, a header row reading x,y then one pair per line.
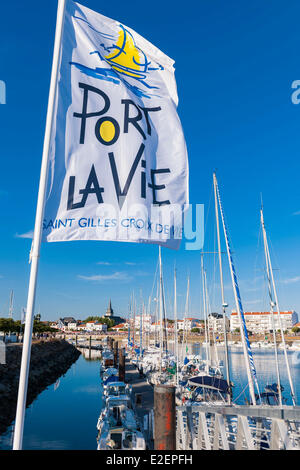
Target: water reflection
x,y
265,368
65,417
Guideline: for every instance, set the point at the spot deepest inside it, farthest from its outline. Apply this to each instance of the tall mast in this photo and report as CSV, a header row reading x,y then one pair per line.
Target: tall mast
x,y
129,322
224,304
270,271
141,329
11,303
186,312
160,307
272,305
133,329
208,308
249,362
175,325
204,313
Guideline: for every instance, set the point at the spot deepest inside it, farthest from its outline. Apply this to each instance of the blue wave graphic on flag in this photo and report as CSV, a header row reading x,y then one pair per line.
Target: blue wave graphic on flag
x,y
125,59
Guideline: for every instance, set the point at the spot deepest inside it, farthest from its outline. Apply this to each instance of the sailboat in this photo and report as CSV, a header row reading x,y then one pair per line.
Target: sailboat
x,y
247,351
273,393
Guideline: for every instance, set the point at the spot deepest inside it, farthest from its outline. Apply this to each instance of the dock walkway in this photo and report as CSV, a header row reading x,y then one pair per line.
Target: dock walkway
x,y
142,389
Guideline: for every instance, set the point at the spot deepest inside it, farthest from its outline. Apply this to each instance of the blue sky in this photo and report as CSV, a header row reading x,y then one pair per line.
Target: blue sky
x,y
235,63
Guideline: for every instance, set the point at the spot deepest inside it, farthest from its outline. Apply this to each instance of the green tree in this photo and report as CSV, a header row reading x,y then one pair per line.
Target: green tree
x,y
108,321
295,329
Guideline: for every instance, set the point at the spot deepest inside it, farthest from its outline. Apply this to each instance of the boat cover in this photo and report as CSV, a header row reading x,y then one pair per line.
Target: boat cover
x,y
208,381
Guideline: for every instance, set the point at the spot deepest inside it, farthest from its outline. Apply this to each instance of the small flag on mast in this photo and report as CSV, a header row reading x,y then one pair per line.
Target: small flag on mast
x,y
23,316
56,385
118,159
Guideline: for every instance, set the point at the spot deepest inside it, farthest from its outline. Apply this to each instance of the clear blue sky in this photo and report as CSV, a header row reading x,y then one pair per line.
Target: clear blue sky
x,y
235,63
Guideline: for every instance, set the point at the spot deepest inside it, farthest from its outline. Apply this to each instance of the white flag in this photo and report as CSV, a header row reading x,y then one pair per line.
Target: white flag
x,y
118,160
23,316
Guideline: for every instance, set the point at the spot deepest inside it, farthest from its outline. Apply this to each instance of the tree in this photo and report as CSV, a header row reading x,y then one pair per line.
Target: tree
x,y
9,325
108,321
91,318
195,330
295,329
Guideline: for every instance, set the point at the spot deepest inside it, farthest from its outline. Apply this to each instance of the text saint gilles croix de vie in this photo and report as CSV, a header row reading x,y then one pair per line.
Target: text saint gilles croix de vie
x,y
107,132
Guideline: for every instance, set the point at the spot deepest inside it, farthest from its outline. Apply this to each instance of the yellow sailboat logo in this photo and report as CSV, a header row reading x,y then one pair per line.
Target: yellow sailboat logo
x,y
126,58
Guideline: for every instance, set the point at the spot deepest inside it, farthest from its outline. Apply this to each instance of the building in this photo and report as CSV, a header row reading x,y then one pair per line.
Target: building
x,y
201,325
100,327
120,326
215,322
155,327
89,326
63,323
261,322
187,324
145,319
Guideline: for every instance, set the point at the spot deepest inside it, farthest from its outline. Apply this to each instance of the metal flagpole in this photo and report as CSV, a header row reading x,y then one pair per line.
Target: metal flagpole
x,y
35,253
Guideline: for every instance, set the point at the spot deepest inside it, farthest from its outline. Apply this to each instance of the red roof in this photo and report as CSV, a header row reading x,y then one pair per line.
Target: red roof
x,y
121,325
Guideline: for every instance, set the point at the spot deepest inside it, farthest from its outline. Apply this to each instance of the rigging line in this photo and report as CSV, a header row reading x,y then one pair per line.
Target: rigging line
x,y
208,210
154,279
280,281
242,393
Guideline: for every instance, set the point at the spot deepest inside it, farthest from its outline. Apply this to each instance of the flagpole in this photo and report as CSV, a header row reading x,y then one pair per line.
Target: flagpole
x,y
35,253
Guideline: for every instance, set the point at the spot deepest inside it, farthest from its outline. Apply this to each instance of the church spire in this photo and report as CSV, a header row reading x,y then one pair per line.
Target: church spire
x,y
109,311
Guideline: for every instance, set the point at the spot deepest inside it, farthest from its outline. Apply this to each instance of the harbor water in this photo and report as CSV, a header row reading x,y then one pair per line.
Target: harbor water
x,y
64,416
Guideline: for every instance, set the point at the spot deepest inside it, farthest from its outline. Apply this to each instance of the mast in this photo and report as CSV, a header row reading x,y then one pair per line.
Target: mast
x,y
133,329
204,313
141,329
214,362
249,362
160,307
224,304
186,313
175,325
129,321
273,304
11,303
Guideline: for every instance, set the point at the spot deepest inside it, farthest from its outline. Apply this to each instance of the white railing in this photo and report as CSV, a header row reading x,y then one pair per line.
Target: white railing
x,y
207,427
